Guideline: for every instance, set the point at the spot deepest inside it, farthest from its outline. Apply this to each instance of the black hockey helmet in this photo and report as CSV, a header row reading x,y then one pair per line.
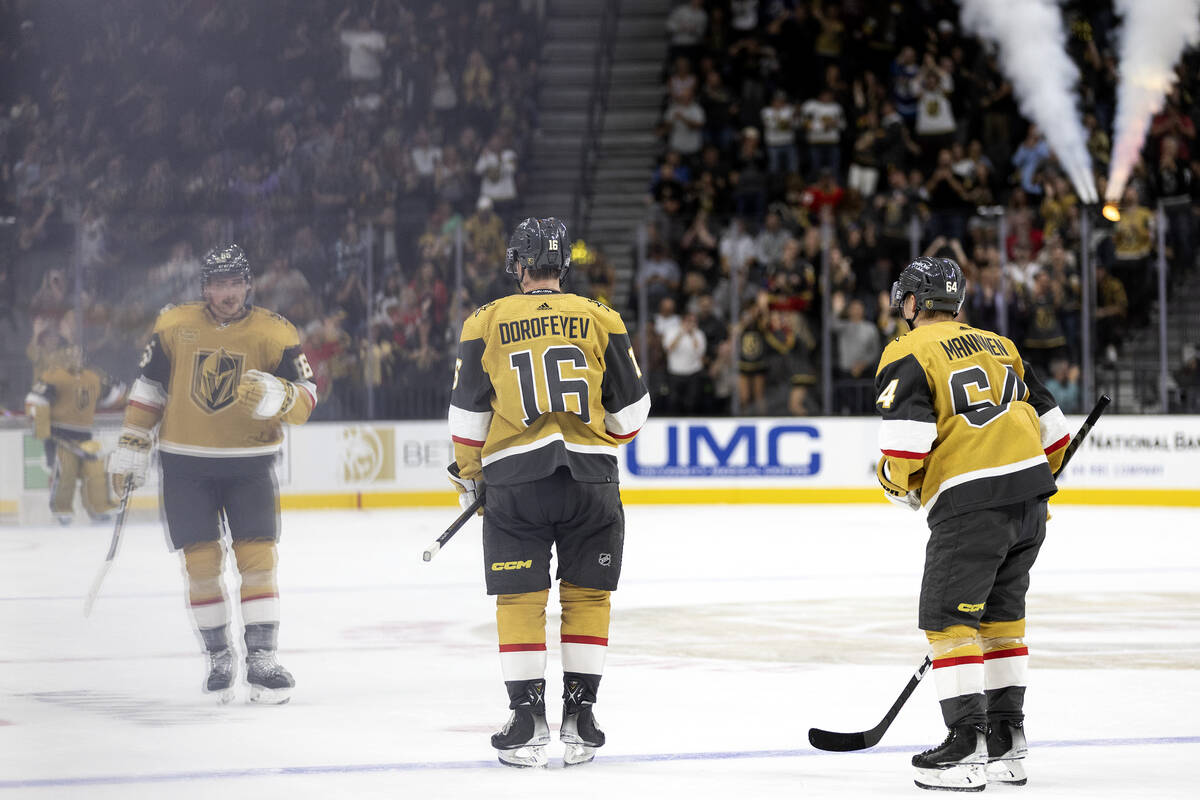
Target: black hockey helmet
x,y
538,244
222,261
937,283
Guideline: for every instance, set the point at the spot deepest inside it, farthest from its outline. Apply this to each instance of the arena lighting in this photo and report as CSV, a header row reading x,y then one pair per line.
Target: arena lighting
x,y
1111,212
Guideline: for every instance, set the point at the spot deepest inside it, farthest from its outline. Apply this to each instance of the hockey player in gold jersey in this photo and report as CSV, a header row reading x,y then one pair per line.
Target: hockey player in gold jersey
x,y
971,434
62,406
218,380
545,389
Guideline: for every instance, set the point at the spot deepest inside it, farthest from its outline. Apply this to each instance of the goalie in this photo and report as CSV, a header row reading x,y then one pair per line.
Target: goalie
x,y
62,407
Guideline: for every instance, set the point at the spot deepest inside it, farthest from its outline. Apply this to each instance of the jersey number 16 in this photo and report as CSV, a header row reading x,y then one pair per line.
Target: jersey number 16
x,y
556,387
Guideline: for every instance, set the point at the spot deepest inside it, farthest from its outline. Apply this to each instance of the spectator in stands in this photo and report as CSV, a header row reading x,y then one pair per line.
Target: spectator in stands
x,y
686,25
497,168
285,291
1133,245
935,124
364,50
1112,307
779,127
752,356
1029,157
683,125
1063,383
659,276
1187,378
1044,338
682,84
748,179
858,348
823,121
948,200
1172,182
685,346
790,373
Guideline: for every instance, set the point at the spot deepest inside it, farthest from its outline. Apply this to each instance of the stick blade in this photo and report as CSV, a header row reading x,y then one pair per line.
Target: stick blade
x,y
838,742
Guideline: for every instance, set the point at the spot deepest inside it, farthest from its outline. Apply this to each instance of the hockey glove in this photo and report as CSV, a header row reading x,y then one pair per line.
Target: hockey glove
x,y
894,492
468,489
264,396
129,462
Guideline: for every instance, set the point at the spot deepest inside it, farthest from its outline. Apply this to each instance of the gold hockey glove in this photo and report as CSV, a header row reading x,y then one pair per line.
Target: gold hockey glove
x,y
264,396
900,495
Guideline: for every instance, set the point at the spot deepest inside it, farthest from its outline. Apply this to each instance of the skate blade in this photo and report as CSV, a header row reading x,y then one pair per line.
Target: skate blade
x,y
958,778
224,696
523,757
269,697
1006,771
577,754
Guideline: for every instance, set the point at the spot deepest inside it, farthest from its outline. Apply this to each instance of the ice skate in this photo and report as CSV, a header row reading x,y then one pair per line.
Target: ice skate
x,y
523,739
220,674
580,734
1006,752
64,520
957,764
270,683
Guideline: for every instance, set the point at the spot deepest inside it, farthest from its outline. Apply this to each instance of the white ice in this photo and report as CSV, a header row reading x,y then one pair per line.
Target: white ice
x,y
735,629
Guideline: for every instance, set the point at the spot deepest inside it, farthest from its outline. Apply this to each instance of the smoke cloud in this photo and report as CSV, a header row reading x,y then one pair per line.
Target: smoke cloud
x,y
1032,47
1151,40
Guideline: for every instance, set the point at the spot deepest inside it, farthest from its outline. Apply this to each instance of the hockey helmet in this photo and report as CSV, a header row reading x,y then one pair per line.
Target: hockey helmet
x,y
937,283
538,244
224,261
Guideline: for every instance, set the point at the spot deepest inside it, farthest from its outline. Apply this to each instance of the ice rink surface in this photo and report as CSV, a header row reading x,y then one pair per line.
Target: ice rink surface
x,y
735,629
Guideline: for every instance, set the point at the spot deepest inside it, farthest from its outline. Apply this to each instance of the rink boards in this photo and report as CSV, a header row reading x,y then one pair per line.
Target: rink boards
x,y
1127,460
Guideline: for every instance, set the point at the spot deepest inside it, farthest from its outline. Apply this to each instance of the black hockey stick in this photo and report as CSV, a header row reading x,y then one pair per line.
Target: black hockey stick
x,y
112,548
1083,431
861,740
433,549
74,448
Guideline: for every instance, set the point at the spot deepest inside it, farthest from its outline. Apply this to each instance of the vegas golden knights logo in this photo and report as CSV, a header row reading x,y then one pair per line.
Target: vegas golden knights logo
x,y
83,398
215,376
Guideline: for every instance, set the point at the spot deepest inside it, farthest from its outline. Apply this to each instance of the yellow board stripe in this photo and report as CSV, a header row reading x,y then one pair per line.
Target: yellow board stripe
x,y
695,496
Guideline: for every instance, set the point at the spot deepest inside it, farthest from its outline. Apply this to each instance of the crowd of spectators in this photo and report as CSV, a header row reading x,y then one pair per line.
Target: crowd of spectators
x,y
896,129
345,144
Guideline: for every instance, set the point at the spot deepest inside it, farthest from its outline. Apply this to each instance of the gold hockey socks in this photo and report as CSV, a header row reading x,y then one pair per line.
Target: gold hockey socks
x,y
521,627
257,560
585,618
958,675
202,561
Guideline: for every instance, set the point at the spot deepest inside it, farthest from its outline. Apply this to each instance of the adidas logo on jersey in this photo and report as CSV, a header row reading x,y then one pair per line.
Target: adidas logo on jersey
x,y
544,307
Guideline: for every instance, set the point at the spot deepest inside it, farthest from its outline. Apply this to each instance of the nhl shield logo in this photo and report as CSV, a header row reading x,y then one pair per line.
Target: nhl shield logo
x,y
215,376
605,559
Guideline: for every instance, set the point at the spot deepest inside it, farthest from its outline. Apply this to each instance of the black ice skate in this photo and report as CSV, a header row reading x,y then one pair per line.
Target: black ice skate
x,y
1006,750
579,731
523,739
220,674
270,683
957,764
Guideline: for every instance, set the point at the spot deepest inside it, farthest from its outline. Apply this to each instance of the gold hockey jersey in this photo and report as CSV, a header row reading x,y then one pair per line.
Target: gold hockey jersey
x,y
63,401
544,380
190,372
965,420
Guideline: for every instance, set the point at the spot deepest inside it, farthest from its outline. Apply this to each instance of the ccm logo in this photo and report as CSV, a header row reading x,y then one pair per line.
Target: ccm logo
x,y
969,608
500,566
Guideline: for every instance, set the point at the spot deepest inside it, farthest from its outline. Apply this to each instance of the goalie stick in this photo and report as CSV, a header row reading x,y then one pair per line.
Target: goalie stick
x,y
861,740
93,592
433,549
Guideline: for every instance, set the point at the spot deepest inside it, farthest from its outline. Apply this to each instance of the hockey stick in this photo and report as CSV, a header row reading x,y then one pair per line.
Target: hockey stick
x,y
1083,431
74,449
433,549
861,740
112,549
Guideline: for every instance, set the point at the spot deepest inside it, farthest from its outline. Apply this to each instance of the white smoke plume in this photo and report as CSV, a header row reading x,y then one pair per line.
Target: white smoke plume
x,y
1032,48
1152,37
